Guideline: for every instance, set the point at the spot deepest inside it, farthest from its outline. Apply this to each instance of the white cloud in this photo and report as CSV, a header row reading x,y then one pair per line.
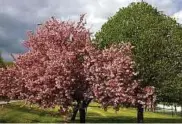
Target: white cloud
x,y
178,16
35,11
98,11
167,6
6,56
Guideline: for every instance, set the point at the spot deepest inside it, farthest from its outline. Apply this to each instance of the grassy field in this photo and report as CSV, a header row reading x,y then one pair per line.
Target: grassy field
x,y
15,113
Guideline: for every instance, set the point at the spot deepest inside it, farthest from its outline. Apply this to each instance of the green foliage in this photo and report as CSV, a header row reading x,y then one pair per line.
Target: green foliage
x,y
1,60
4,63
8,63
171,92
157,39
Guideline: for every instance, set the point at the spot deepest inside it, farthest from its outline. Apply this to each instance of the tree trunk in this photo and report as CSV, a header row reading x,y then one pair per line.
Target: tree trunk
x,y
84,105
88,102
152,107
83,108
139,113
145,108
172,110
181,110
175,109
82,112
155,107
75,111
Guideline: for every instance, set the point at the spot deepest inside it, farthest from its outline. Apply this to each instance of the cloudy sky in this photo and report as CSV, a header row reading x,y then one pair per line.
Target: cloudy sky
x,y
19,16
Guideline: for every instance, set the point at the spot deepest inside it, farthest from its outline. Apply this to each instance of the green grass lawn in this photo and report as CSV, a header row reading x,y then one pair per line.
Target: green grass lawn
x,y
15,113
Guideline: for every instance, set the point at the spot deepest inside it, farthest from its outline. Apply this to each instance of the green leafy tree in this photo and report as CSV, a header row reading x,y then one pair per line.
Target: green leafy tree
x,y
4,63
157,39
1,61
9,63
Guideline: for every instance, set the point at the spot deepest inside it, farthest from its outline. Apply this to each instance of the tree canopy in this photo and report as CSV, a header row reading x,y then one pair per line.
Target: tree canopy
x,y
157,39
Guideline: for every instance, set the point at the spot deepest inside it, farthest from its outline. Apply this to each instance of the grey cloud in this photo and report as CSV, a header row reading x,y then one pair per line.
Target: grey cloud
x,y
18,16
13,31
6,56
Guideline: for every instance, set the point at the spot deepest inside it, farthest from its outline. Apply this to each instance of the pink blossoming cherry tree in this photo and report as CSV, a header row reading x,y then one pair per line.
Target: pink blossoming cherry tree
x,y
63,67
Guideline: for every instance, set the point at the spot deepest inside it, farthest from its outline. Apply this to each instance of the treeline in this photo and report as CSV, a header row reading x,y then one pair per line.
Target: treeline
x,y
4,63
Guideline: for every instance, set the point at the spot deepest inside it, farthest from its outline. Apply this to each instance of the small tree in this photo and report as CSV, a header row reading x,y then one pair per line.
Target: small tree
x,y
62,66
2,64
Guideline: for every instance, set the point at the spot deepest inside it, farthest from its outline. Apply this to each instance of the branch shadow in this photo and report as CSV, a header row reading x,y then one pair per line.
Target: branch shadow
x,y
32,110
127,119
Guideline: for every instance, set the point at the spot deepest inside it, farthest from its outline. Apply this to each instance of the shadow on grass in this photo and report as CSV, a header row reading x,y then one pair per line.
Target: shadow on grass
x,y
92,117
125,119
32,110
169,113
3,121
15,114
111,120
162,120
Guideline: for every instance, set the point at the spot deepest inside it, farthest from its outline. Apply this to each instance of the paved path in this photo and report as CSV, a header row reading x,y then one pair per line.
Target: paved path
x,y
169,108
3,102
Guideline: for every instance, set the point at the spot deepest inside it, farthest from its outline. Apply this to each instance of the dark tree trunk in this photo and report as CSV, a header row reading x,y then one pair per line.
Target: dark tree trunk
x,y
172,110
83,108
181,110
75,111
175,109
146,108
82,115
152,108
82,112
88,102
155,105
139,113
